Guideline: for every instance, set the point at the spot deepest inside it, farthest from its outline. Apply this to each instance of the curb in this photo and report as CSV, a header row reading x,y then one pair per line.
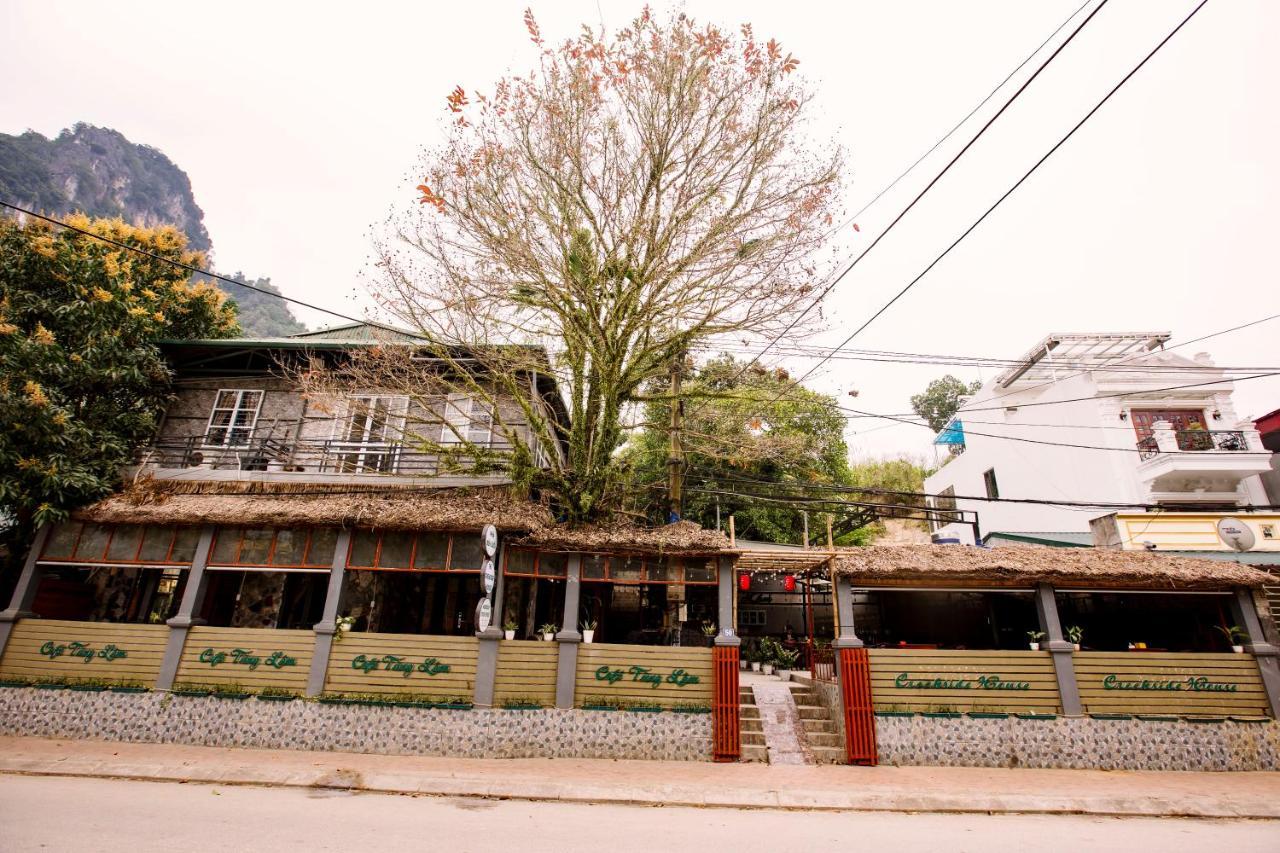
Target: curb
x,y
412,784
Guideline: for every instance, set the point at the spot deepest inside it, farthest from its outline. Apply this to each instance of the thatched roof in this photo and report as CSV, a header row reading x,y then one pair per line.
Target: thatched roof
x,y
887,565
683,537
259,504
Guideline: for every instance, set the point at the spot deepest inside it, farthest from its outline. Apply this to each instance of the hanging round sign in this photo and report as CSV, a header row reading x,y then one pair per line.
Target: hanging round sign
x,y
484,615
488,576
490,537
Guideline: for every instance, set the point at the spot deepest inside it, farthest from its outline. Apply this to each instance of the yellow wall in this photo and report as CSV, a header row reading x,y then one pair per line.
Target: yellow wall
x,y
526,670
283,658
403,663
606,670
1237,677
47,648
906,680
1186,531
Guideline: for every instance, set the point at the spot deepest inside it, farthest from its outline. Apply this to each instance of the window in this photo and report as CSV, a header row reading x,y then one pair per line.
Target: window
x,y
989,480
74,542
423,552
944,500
623,569
368,440
310,549
235,414
467,419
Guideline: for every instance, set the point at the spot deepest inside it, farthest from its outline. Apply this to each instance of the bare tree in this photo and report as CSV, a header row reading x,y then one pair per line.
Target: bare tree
x,y
631,196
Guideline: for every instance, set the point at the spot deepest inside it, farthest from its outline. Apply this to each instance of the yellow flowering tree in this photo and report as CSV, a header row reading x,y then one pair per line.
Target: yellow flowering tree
x,y
82,380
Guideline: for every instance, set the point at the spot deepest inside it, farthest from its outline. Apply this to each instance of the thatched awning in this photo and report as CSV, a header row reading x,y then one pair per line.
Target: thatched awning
x,y
683,537
257,504
962,565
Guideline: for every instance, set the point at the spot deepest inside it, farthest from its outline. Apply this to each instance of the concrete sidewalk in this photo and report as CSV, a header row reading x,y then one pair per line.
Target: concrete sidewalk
x,y
899,789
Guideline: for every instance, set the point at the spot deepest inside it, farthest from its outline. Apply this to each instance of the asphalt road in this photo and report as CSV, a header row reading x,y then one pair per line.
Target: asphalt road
x,y
71,814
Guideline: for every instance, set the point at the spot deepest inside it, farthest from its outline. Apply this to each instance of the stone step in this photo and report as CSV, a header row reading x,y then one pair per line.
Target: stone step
x,y
828,754
752,738
749,711
818,726
750,726
812,712
755,753
817,739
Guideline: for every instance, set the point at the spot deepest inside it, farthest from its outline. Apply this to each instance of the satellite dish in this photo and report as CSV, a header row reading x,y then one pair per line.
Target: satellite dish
x,y
1236,534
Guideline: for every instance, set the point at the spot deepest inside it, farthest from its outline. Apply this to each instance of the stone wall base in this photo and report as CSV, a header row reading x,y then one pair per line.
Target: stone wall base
x,y
305,725
1078,743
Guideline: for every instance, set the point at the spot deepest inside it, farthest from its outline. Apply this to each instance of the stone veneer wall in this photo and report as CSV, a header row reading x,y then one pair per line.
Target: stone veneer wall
x,y
1078,743
209,721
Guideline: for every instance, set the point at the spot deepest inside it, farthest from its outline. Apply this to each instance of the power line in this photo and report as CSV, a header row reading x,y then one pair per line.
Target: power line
x,y
1012,189
187,267
930,185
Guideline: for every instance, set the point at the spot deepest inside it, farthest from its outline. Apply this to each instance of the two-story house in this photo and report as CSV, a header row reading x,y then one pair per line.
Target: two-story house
x,y
1108,418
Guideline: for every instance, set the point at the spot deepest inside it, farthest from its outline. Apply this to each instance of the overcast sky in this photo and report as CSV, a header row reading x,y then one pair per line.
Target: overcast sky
x,y
300,126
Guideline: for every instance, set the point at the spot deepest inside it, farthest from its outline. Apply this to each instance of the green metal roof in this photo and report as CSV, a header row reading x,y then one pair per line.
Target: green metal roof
x,y
1053,539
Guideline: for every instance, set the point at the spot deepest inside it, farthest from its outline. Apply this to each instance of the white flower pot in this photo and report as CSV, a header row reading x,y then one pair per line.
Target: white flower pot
x,y
546,638
742,664
1238,649
1035,647
768,668
1075,646
755,666
588,635
508,635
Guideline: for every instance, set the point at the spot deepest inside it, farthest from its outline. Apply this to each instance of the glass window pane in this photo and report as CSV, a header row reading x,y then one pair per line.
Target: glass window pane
x,y
519,562
62,541
624,569
396,548
553,565
468,553
255,547
185,540
362,548
659,571
155,544
93,543
225,545
433,549
323,541
700,571
291,546
593,566
124,544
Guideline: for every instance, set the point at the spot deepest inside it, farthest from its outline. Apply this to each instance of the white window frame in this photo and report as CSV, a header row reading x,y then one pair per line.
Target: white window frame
x,y
230,428
460,419
364,454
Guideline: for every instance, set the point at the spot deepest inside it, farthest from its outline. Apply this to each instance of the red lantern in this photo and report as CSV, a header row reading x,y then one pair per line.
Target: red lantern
x,y
744,582
789,583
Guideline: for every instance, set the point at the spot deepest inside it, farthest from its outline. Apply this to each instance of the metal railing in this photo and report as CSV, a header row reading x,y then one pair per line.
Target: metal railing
x,y
322,457
1198,441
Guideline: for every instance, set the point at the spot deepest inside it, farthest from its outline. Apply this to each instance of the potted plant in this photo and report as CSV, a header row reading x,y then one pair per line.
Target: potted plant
x,y
709,631
548,632
1074,633
342,627
509,629
1235,635
1034,637
788,658
588,630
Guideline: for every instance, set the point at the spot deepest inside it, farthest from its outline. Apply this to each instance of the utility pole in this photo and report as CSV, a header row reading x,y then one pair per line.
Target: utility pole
x,y
675,455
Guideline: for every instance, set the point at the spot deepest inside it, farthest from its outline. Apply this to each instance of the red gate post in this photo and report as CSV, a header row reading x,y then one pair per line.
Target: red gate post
x,y
853,668
726,729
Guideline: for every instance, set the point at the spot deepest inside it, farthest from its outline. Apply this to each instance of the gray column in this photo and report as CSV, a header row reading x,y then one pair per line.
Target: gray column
x,y
1059,649
1245,612
726,636
487,640
328,624
24,594
192,599
842,592
569,637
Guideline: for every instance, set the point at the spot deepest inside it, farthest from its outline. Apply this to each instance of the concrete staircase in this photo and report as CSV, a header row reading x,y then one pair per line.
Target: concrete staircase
x,y
818,731
753,748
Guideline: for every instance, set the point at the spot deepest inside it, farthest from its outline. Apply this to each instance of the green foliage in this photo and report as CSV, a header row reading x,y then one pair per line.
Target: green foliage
x,y
941,399
261,316
82,381
735,434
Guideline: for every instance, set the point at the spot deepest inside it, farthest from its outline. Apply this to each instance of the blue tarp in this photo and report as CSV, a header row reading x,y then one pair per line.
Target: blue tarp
x,y
952,433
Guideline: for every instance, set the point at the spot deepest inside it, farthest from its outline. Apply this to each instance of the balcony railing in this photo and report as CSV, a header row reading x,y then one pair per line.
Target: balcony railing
x,y
1198,440
321,457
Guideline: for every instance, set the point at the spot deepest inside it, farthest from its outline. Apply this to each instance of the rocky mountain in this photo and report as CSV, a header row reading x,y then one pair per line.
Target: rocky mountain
x,y
97,171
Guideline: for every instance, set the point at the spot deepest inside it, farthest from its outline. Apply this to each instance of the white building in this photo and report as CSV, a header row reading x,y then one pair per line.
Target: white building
x,y
1101,418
